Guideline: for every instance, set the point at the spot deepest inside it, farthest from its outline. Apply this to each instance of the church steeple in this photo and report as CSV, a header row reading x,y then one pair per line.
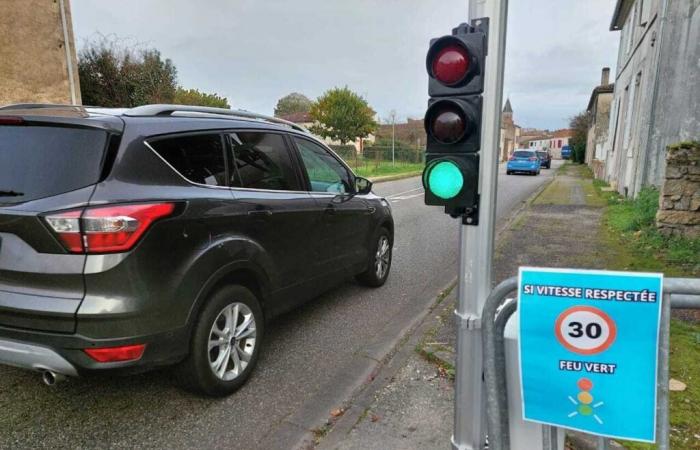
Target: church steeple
x,y
508,108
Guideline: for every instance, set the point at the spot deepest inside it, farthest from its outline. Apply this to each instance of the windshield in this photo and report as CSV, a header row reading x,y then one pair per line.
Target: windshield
x,y
41,161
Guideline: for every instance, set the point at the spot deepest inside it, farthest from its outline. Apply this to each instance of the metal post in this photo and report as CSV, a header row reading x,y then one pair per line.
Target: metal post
x,y
662,403
476,243
393,126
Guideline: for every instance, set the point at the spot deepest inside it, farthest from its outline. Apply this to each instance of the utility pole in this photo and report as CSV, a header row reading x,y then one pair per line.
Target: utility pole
x,y
393,135
476,242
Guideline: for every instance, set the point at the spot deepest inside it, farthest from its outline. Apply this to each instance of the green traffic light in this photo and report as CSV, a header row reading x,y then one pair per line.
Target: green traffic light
x,y
445,180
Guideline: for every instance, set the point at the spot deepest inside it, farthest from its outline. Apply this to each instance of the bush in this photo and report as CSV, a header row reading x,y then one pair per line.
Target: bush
x,y
636,214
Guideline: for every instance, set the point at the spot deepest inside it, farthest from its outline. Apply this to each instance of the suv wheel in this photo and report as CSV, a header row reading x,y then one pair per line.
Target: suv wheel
x,y
225,344
380,261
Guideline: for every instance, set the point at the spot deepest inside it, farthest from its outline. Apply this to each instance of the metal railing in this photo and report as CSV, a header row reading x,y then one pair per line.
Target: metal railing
x,y
679,293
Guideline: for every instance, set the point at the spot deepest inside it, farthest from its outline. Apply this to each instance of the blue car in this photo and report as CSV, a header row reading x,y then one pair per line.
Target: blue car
x,y
525,161
566,152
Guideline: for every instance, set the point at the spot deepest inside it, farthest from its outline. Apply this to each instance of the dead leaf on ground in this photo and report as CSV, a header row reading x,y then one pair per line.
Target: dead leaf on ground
x,y
374,418
337,412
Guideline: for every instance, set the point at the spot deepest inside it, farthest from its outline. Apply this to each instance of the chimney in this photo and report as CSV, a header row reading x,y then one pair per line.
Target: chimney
x,y
605,76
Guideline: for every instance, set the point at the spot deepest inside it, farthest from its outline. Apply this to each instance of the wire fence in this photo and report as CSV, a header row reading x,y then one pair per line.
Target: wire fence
x,y
377,160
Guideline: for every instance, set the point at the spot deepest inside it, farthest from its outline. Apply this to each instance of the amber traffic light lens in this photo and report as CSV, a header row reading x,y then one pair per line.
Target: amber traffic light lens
x,y
448,125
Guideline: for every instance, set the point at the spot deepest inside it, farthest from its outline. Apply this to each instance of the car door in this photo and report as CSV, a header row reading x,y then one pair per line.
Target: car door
x,y
344,227
277,212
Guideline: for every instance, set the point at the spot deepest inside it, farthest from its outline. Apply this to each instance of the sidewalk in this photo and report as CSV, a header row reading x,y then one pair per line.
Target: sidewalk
x,y
414,408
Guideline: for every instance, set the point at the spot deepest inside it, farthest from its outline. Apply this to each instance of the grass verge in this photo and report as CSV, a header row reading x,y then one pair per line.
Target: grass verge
x,y
384,168
636,245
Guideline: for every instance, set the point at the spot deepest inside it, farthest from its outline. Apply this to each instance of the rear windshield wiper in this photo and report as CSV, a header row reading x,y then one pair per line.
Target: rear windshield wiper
x,y
11,194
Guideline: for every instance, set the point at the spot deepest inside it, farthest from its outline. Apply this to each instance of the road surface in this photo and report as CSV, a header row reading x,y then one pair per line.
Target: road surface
x,y
313,358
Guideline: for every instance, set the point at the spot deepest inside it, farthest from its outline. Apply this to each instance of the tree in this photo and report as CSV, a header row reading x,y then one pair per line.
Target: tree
x,y
113,75
342,115
292,103
195,97
579,124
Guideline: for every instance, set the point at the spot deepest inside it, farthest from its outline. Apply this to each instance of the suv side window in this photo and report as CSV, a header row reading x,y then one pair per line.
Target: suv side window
x,y
199,158
325,173
262,161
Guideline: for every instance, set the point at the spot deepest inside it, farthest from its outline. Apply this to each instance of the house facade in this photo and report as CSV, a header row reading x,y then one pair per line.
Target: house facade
x,y
38,62
656,99
599,112
553,142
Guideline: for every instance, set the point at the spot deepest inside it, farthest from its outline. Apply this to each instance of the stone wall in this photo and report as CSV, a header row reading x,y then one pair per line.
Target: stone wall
x,y
37,54
679,209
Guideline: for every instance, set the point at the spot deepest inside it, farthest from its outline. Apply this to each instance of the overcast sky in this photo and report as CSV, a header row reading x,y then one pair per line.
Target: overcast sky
x,y
255,51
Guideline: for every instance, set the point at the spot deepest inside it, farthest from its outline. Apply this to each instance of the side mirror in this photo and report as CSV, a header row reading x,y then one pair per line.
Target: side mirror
x,y
363,185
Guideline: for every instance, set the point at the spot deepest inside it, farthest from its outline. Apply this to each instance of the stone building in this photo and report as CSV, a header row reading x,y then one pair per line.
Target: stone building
x,y
599,111
510,133
656,101
37,56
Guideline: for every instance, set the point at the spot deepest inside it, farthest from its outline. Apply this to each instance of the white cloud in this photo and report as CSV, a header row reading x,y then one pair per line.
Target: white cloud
x,y
255,51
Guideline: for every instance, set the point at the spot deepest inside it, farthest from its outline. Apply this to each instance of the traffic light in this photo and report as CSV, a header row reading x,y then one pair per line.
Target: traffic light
x,y
453,121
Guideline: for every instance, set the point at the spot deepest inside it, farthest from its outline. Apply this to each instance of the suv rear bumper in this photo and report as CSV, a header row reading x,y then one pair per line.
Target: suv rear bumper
x,y
34,357
64,354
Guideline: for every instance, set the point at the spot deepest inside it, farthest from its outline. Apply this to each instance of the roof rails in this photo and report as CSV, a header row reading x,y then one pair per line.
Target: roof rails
x,y
37,106
166,110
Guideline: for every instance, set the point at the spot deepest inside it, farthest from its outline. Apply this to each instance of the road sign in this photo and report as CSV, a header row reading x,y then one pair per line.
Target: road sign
x,y
588,350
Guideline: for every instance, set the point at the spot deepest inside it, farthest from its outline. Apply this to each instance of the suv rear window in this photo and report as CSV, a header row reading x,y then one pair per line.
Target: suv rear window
x,y
199,158
41,161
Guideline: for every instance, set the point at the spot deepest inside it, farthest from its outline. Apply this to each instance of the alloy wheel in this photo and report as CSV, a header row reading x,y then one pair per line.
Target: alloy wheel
x,y
232,341
383,257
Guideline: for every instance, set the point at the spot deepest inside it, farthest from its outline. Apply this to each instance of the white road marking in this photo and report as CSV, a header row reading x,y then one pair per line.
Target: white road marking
x,y
406,197
404,192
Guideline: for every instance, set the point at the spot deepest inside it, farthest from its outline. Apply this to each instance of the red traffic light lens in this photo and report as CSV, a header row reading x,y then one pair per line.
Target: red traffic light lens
x,y
451,64
447,125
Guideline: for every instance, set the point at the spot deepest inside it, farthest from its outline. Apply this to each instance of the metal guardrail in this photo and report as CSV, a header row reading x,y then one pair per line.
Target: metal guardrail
x,y
679,293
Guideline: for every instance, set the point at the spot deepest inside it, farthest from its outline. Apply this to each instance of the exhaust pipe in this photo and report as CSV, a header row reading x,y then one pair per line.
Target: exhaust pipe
x,y
51,378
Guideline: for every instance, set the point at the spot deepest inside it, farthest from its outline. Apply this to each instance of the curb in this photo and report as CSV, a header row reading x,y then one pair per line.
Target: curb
x,y
399,176
394,361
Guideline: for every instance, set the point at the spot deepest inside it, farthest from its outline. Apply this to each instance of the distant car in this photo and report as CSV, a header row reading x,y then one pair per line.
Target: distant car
x,y
545,159
566,152
525,161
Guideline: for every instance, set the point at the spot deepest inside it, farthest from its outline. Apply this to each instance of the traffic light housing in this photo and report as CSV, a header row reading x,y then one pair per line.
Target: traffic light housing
x,y
453,121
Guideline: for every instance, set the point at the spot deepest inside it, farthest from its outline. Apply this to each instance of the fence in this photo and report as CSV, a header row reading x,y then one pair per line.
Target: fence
x,y
681,293
377,160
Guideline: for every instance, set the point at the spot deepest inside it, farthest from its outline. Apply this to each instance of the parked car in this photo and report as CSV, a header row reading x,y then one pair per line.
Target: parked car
x,y
523,161
165,234
545,159
566,152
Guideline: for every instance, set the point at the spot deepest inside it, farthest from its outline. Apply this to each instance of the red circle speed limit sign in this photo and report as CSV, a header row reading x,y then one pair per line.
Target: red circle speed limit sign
x,y
585,330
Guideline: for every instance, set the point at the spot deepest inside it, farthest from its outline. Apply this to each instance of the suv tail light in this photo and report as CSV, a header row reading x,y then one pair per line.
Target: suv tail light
x,y
116,354
106,229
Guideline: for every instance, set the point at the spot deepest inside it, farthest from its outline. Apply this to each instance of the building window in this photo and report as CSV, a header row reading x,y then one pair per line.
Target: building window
x,y
629,29
559,143
645,6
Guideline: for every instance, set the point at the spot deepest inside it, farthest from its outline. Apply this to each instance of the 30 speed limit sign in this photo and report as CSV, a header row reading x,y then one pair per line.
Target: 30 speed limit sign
x,y
588,349
585,330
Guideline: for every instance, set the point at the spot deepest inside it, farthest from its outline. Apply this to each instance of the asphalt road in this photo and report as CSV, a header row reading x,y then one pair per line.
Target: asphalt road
x,y
313,358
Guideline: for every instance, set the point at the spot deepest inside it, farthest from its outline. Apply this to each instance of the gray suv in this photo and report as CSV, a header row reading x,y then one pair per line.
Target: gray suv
x,y
170,235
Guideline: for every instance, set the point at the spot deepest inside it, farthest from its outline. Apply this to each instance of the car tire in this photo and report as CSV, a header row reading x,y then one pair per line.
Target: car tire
x,y
198,372
379,264
508,172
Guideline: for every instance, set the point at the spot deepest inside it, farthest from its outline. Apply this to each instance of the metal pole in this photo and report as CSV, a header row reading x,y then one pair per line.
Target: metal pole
x,y
393,123
69,55
662,403
476,243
